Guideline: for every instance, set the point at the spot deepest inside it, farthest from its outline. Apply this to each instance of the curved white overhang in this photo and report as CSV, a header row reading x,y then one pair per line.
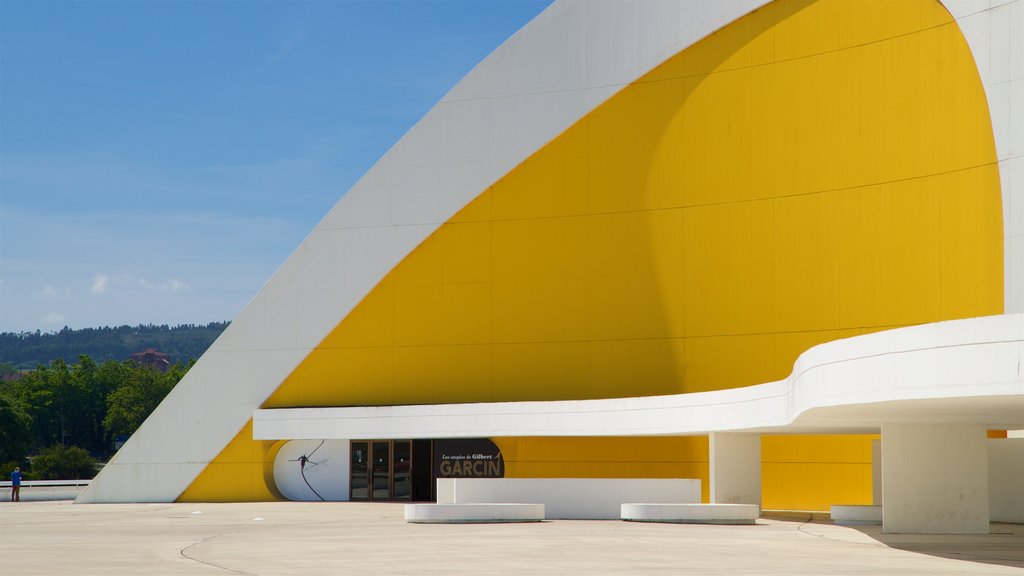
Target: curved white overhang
x,y
956,372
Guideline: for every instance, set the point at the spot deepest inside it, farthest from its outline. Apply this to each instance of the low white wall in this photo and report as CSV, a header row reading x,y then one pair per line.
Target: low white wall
x,y
42,493
570,498
44,490
1006,479
847,515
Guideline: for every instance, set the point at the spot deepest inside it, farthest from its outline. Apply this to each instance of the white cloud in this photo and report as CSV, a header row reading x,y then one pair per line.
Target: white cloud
x,y
172,285
49,292
53,318
100,283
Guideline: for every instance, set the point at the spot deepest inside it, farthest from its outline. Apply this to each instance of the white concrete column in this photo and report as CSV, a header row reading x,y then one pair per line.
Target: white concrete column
x,y
1006,479
934,479
735,466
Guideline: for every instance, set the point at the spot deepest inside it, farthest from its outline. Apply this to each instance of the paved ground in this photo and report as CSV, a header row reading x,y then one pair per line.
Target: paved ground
x,y
349,538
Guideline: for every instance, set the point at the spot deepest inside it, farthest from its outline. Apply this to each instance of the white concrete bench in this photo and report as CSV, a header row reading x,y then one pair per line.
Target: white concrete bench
x,y
856,515
472,513
692,513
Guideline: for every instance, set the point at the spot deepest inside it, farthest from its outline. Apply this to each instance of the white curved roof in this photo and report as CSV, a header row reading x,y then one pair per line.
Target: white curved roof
x,y
955,372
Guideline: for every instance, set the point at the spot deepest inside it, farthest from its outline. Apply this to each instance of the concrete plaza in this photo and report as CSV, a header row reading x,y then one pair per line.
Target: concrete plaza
x,y
367,538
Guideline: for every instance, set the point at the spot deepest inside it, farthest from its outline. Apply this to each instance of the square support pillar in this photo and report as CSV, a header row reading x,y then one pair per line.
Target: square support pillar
x,y
934,479
735,467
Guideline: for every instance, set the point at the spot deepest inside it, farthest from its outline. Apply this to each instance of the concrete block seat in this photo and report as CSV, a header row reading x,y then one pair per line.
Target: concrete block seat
x,y
692,513
856,515
472,513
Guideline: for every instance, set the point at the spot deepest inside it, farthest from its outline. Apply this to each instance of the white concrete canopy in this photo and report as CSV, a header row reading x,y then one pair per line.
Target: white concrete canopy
x,y
958,372
931,390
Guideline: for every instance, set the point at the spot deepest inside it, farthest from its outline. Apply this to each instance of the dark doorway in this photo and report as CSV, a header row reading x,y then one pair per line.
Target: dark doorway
x,y
390,470
405,470
422,478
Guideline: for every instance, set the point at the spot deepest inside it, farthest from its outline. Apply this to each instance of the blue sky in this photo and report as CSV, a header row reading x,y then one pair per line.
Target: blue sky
x,y
159,160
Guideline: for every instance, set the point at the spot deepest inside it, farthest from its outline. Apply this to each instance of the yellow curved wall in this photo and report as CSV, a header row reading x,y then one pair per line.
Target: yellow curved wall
x,y
813,171
242,472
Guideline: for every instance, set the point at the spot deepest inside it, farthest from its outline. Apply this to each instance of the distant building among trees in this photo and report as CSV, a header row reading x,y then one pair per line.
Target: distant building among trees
x,y
151,358
27,350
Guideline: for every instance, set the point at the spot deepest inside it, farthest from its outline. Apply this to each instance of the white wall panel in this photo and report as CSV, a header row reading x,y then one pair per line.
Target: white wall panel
x,y
1016,48
995,33
327,471
415,195
962,8
570,498
1016,129
1011,173
1014,271
999,43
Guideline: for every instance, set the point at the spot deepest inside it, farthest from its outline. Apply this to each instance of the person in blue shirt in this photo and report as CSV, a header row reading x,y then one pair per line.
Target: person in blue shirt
x,y
16,485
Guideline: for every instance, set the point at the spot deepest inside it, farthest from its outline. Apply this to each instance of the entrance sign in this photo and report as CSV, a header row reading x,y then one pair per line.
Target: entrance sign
x,y
468,458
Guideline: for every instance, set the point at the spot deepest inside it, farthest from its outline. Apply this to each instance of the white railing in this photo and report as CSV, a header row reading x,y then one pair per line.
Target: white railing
x,y
40,483
44,490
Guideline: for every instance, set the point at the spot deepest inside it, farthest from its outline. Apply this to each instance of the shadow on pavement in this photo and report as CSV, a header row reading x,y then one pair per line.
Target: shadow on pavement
x,y
1003,545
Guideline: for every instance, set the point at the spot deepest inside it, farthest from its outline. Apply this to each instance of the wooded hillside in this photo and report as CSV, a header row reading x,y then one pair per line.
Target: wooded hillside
x,y
26,350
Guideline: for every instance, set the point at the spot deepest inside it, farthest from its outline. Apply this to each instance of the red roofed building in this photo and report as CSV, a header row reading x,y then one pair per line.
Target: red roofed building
x,y
152,359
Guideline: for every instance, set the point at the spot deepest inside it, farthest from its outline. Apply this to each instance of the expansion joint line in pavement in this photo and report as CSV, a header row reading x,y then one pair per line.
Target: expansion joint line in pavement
x,y
810,519
185,555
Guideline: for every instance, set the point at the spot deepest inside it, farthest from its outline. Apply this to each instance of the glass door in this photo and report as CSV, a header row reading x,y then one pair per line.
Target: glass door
x,y
401,466
383,469
360,471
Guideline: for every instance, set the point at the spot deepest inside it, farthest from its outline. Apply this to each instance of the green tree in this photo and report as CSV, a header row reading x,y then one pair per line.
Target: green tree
x,y
58,403
92,385
33,392
63,463
27,349
15,431
83,405
130,405
67,404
